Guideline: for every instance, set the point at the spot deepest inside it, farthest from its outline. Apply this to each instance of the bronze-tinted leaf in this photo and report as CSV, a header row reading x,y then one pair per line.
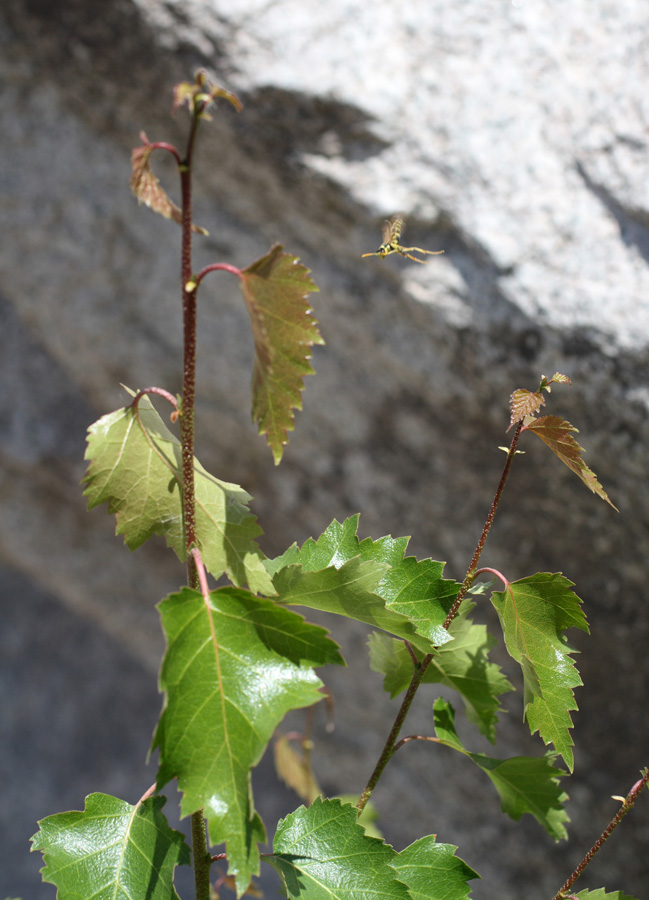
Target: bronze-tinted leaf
x,y
524,403
275,290
147,188
557,434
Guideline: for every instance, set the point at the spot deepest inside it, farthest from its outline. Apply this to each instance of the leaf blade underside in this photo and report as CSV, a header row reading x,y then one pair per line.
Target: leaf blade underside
x,y
534,612
275,290
135,466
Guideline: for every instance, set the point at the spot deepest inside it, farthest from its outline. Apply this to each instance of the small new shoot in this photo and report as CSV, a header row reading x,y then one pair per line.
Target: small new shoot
x,y
392,231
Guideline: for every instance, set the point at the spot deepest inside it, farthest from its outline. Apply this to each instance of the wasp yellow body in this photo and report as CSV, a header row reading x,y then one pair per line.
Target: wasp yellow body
x,y
392,230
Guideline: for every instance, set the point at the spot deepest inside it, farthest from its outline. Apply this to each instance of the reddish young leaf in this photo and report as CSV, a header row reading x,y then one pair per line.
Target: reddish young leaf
x,y
524,403
558,378
183,93
557,434
148,189
275,289
200,91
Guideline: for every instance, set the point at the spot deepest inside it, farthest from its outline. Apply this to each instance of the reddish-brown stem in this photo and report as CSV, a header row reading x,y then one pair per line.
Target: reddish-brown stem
x,y
215,267
388,747
470,575
420,670
495,572
201,868
413,655
415,737
161,145
201,573
202,859
189,357
148,793
627,806
160,392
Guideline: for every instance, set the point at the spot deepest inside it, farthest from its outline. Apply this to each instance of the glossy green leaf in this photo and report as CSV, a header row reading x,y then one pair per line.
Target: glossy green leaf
x,y
368,818
534,613
111,850
322,853
369,581
431,871
524,784
337,545
275,290
232,669
463,665
135,467
415,589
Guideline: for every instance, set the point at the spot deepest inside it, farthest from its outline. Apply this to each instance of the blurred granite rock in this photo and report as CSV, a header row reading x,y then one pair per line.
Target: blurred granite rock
x,y
513,136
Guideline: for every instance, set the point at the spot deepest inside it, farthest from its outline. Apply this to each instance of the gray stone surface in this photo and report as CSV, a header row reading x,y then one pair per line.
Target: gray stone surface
x,y
514,136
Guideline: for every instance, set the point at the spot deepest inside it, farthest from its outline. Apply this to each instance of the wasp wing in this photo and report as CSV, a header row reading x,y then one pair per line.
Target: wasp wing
x,y
397,227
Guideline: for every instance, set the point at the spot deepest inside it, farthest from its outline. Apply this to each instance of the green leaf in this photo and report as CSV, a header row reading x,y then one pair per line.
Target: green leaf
x,y
322,853
557,434
462,665
534,613
111,850
524,784
415,589
390,658
231,671
136,467
275,289
368,817
600,894
369,581
431,871
337,545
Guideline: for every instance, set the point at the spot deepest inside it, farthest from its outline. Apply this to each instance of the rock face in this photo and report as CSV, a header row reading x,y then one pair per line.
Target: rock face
x,y
512,136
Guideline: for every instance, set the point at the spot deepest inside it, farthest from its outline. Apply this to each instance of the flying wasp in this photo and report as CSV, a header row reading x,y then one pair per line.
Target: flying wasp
x,y
392,231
